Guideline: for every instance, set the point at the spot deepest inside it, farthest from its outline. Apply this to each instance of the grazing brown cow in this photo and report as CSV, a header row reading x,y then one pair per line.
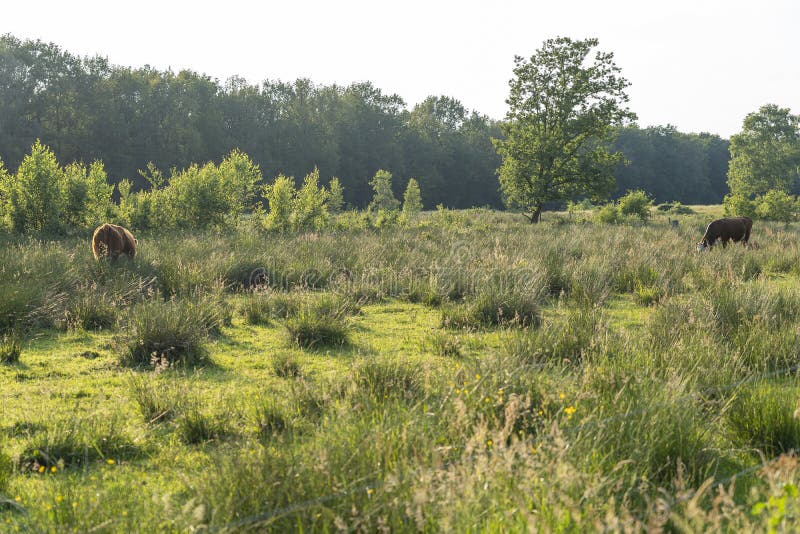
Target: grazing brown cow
x,y
112,241
729,228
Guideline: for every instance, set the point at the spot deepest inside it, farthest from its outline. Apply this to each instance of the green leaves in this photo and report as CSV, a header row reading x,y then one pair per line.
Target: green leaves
x,y
766,153
562,109
412,199
384,198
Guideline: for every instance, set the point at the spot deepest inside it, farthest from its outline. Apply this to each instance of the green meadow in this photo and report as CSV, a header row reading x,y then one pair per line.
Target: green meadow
x,y
464,371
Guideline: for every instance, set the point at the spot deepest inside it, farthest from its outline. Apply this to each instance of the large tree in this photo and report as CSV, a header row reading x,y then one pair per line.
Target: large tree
x,y
766,153
562,109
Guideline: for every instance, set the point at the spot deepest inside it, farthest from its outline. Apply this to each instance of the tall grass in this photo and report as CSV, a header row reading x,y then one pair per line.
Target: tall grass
x,y
167,333
626,371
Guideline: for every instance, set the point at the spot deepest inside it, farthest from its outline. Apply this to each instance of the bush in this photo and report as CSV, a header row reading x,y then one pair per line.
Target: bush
x,y
309,208
196,197
36,199
636,203
335,196
280,195
384,198
412,199
776,206
166,333
738,206
240,178
680,209
608,214
581,205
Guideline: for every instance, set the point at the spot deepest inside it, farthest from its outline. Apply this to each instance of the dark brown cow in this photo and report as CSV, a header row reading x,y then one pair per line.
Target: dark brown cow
x,y
727,229
113,241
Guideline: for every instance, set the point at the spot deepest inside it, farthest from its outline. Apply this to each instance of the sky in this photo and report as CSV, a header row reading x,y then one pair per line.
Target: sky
x,y
699,65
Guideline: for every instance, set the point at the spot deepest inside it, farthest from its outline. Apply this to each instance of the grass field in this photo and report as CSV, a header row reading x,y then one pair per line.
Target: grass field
x,y
470,372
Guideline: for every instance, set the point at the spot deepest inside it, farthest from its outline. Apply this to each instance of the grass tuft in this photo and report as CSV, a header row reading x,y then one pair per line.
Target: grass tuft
x,y
169,333
10,349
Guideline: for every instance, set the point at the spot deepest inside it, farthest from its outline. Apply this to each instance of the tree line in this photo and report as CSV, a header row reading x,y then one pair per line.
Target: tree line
x,y
87,109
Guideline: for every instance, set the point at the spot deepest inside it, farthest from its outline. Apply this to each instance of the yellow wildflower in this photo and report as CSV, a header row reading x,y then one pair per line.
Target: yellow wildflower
x,y
110,461
569,410
53,469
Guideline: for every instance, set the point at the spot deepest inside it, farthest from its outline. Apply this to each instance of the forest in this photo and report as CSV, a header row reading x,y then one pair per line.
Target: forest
x,y
87,109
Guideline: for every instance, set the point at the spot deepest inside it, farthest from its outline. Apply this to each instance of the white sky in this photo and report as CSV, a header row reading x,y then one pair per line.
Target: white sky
x,y
700,65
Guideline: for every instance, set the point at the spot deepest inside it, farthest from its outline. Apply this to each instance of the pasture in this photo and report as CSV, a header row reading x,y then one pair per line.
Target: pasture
x,y
467,372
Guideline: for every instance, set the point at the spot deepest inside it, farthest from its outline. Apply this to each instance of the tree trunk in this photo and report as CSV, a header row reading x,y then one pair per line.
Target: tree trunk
x,y
535,216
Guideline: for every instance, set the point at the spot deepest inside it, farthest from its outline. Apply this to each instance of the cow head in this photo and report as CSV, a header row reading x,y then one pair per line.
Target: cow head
x,y
702,246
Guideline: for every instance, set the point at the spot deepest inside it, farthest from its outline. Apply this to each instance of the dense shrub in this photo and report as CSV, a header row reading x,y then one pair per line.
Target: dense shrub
x,y
608,214
309,206
776,206
738,206
280,195
412,199
335,196
384,198
44,197
635,204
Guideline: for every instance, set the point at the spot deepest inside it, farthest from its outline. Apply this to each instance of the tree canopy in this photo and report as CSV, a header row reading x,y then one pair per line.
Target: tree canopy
x,y
87,110
765,155
563,105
